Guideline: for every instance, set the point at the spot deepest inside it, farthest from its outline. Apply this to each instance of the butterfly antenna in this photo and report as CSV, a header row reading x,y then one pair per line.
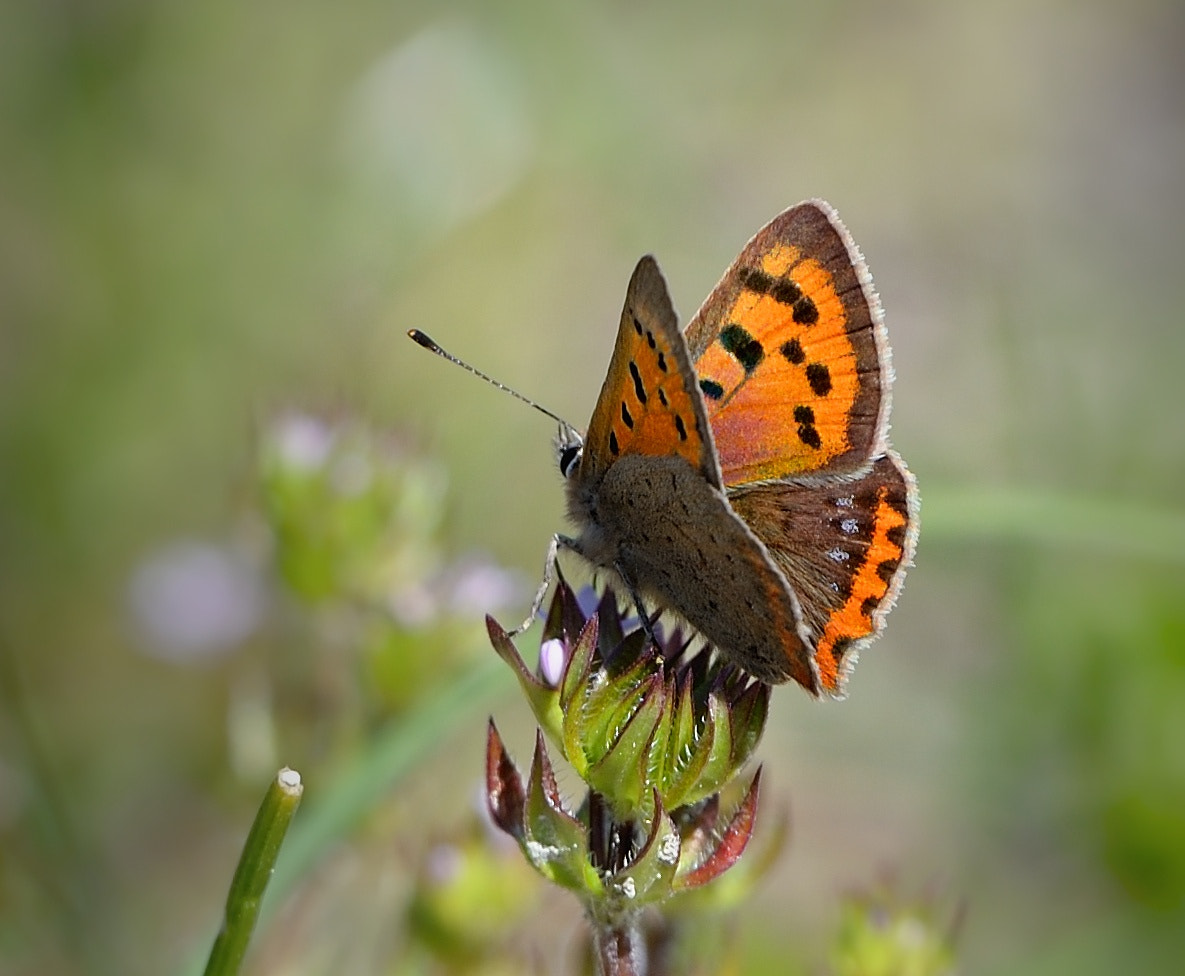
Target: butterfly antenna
x,y
425,340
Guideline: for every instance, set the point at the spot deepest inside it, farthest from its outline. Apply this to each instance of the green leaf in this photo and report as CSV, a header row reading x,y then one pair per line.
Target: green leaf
x,y
555,842
579,665
719,768
609,703
648,878
543,699
621,774
687,751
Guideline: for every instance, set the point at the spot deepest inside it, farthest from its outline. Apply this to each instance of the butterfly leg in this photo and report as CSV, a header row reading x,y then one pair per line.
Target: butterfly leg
x,y
645,618
549,572
549,568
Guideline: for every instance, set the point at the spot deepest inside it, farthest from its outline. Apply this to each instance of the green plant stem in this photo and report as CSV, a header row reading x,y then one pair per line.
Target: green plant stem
x,y
618,944
253,873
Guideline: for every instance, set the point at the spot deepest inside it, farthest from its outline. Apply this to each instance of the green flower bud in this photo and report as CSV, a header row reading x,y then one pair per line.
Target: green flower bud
x,y
655,731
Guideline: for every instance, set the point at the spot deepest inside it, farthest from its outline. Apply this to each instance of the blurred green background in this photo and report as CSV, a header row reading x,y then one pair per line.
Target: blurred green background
x,y
213,213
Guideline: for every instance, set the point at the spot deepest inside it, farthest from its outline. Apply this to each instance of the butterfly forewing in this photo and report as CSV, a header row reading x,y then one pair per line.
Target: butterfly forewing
x,y
791,353
646,406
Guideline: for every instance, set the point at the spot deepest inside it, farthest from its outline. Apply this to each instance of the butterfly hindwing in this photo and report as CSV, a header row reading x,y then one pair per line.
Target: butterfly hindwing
x,y
648,402
791,353
845,545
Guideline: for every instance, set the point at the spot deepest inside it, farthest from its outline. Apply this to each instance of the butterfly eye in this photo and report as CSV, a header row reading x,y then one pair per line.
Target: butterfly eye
x,y
570,458
569,446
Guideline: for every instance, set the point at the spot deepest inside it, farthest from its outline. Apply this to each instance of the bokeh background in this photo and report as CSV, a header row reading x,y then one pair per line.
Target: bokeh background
x,y
218,220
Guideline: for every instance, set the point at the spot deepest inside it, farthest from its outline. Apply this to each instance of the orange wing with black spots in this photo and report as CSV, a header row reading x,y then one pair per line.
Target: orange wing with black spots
x,y
791,354
648,402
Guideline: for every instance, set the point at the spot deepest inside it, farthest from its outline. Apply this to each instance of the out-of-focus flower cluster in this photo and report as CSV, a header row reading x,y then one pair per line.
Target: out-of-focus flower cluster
x,y
655,731
882,933
356,515
339,562
355,519
470,903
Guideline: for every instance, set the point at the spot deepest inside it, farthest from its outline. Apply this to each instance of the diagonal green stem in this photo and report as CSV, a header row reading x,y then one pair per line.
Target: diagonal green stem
x,y
253,873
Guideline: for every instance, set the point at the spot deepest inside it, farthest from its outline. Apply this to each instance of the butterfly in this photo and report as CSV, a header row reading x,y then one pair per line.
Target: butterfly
x,y
738,475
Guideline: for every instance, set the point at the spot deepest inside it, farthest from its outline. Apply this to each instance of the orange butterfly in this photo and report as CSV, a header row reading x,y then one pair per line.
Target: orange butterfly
x,y
740,475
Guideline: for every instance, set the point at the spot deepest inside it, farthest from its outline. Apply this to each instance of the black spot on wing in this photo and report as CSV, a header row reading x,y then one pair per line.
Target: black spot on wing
x,y
819,377
805,311
792,351
626,416
711,389
788,293
639,389
742,347
781,290
839,648
757,280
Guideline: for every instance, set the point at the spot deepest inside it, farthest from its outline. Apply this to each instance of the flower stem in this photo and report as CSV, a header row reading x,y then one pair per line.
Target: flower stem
x,y
620,947
252,875
617,939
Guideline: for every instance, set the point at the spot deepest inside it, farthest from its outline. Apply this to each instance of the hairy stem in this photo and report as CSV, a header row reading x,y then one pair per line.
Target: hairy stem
x,y
620,947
